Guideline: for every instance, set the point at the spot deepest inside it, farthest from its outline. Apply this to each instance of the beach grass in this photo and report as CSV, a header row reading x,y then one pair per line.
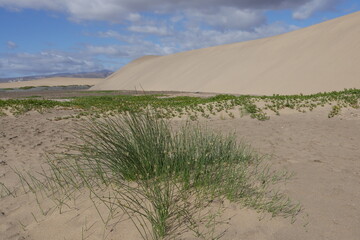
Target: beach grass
x,y
168,181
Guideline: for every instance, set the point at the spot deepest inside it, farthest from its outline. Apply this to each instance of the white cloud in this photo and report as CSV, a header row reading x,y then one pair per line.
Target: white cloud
x,y
130,10
11,45
109,34
190,38
134,17
131,50
308,9
34,4
156,30
125,38
97,10
109,50
228,17
197,38
47,62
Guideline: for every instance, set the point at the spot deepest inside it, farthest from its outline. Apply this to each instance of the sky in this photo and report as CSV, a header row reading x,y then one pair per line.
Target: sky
x,y
54,36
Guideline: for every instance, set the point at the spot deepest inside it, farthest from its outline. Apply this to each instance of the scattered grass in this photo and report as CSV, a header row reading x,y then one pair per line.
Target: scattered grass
x,y
168,182
6,89
256,107
27,87
33,96
102,91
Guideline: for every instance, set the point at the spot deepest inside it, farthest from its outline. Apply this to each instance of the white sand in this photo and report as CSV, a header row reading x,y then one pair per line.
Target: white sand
x,y
56,81
323,57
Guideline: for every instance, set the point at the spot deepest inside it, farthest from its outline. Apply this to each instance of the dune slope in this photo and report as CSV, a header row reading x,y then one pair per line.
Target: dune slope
x,y
323,57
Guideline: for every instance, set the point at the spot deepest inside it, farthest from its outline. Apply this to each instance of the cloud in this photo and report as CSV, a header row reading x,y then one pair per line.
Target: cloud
x,y
109,50
109,34
129,51
308,9
133,39
11,45
131,10
228,18
46,62
188,39
197,38
148,29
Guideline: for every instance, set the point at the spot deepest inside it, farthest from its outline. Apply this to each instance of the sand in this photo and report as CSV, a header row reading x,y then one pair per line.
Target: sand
x,y
323,154
323,57
56,81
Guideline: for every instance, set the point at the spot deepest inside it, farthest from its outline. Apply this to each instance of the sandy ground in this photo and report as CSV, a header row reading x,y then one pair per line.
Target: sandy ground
x,y
323,153
315,59
56,81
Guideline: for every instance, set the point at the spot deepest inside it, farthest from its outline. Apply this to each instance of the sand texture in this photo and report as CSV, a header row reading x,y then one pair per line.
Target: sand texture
x,y
56,81
323,57
323,153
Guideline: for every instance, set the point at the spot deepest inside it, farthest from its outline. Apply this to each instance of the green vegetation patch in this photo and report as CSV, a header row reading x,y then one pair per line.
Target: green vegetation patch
x,y
35,96
101,91
254,106
26,87
6,89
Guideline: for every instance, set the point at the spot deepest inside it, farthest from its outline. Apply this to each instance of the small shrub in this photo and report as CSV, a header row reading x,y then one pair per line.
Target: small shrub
x,y
335,110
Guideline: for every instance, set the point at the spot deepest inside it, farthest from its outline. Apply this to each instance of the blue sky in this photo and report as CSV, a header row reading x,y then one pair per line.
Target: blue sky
x,y
45,37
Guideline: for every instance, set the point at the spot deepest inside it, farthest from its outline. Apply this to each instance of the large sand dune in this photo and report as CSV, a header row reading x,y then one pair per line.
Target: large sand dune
x,y
323,57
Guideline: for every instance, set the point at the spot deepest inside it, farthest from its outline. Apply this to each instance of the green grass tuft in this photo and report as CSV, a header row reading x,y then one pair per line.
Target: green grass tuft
x,y
162,178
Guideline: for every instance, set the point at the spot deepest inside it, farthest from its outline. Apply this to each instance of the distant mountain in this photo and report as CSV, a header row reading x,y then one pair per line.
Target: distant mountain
x,y
97,74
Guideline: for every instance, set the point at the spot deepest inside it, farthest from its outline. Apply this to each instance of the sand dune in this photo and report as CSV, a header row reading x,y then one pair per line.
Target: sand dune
x,y
56,81
323,57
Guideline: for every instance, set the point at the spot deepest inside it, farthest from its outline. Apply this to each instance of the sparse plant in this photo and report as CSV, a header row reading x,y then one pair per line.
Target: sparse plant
x,y
335,110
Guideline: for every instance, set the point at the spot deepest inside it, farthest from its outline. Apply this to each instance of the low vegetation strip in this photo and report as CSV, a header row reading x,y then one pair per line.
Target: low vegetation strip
x,y
167,107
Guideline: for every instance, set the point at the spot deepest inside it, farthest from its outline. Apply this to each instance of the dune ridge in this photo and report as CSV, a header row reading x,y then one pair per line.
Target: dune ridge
x,y
322,57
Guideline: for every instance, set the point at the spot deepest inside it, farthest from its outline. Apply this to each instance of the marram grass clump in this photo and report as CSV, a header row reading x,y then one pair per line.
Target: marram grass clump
x,y
167,180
